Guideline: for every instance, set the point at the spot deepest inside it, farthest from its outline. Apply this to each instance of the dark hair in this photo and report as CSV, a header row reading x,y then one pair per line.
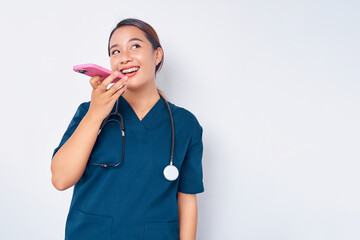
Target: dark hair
x,y
150,34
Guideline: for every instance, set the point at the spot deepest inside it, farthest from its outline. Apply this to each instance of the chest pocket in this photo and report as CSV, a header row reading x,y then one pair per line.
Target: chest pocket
x,y
108,146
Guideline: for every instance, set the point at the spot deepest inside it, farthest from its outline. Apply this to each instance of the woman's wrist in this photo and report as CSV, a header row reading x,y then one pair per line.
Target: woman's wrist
x,y
93,119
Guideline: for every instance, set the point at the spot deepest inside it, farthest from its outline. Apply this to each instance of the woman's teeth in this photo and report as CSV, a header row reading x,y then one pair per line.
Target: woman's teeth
x,y
130,70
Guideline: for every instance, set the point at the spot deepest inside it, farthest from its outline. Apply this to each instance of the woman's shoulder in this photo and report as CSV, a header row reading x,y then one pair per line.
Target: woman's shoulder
x,y
183,114
81,110
84,106
186,123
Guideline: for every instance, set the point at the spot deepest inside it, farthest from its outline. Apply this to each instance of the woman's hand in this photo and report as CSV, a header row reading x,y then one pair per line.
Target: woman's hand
x,y
103,99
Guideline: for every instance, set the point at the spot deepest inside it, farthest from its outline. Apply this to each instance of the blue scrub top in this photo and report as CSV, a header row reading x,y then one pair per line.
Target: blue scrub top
x,y
134,200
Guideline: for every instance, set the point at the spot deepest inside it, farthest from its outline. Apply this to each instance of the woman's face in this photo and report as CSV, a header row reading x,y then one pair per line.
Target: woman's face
x,y
129,48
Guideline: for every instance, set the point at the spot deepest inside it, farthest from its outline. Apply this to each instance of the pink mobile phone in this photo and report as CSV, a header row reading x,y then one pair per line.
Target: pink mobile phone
x,y
91,70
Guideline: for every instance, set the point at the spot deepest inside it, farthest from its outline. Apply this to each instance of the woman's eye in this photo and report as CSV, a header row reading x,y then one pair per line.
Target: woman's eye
x,y
137,46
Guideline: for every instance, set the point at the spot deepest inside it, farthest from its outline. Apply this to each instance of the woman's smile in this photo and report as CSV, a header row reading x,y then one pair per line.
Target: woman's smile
x,y
129,75
130,71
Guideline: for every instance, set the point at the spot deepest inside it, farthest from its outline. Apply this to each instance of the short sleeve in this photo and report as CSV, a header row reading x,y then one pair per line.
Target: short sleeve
x,y
80,113
191,174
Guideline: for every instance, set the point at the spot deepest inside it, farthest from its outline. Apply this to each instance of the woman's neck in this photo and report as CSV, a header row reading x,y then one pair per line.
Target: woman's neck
x,y
142,99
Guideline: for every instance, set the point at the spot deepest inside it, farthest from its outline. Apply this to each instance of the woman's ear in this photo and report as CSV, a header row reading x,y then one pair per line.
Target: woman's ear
x,y
158,55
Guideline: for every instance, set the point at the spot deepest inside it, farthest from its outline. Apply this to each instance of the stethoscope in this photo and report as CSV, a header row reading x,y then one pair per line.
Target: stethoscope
x,y
171,172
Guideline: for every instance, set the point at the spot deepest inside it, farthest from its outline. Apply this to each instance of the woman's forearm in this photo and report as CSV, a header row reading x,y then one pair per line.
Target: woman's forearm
x,y
69,162
187,206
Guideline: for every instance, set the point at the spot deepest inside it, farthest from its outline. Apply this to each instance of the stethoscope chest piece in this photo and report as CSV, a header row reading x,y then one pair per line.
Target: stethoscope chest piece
x,y
171,172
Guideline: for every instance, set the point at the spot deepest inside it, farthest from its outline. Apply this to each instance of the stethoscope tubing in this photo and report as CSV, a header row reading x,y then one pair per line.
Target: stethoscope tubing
x,y
121,123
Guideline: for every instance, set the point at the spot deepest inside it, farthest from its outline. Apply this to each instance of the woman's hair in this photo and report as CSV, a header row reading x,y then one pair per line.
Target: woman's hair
x,y
150,34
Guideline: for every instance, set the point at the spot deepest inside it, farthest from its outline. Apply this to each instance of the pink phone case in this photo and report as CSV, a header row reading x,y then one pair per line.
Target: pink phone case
x,y
91,70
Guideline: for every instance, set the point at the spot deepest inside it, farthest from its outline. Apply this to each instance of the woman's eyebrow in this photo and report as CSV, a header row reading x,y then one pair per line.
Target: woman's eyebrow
x,y
131,39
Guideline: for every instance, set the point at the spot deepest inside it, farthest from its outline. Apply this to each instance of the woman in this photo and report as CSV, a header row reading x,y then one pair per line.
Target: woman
x,y
133,200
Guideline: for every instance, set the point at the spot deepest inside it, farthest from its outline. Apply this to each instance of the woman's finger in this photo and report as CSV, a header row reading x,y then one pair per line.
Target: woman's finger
x,y
95,81
119,92
116,86
108,80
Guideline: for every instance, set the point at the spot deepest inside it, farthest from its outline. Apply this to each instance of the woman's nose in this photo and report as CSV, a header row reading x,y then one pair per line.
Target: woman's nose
x,y
125,57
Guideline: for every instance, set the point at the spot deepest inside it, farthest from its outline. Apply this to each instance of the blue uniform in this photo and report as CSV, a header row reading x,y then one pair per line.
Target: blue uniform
x,y
135,201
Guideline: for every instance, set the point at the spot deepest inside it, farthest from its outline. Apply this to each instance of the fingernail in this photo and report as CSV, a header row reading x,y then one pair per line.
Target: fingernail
x,y
116,73
126,78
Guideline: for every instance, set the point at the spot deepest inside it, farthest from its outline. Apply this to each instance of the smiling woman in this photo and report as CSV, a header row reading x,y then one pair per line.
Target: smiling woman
x,y
144,46
132,199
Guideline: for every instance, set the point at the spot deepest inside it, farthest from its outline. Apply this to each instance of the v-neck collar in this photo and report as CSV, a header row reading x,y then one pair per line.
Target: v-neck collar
x,y
132,114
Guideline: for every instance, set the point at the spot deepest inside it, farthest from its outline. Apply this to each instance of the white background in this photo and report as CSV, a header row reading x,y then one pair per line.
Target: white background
x,y
274,84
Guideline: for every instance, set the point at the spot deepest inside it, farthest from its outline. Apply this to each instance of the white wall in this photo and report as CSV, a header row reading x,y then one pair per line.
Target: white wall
x,y
275,85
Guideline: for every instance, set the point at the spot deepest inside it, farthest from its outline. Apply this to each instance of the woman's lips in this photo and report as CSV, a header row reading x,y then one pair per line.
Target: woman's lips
x,y
129,75
126,68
